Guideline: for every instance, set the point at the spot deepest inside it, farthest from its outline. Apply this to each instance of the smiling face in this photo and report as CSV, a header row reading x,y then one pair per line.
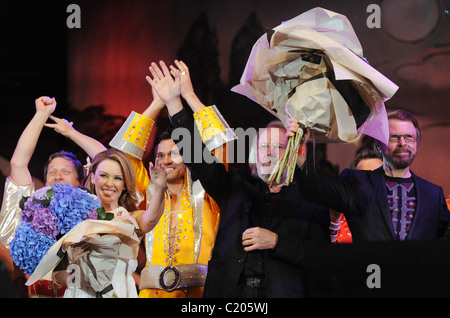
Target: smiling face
x,y
272,144
109,183
61,170
168,155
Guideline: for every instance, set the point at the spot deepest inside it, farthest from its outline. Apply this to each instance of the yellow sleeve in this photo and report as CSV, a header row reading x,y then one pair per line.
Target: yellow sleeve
x,y
142,178
132,139
133,136
213,128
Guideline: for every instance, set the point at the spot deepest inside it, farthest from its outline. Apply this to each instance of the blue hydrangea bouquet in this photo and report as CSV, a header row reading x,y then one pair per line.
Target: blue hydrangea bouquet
x,y
47,215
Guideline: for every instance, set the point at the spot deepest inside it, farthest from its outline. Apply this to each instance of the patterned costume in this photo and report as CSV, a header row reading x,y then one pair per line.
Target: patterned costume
x,y
179,271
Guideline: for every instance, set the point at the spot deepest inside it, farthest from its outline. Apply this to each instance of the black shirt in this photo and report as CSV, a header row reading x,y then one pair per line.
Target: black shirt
x,y
263,210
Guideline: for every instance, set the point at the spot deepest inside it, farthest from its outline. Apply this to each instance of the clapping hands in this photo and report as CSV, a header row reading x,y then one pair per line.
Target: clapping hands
x,y
167,87
173,83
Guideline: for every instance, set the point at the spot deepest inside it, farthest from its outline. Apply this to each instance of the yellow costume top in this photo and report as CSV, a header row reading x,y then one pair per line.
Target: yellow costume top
x,y
179,270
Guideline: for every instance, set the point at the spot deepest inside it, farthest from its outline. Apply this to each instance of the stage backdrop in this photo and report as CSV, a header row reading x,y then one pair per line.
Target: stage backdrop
x,y
98,71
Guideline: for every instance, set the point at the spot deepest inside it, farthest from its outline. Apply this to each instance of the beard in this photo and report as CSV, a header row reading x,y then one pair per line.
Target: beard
x,y
264,177
402,162
264,172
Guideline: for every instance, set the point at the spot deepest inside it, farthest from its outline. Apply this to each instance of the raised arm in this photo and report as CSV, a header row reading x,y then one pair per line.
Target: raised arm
x,y
149,218
211,174
155,107
132,138
26,145
91,146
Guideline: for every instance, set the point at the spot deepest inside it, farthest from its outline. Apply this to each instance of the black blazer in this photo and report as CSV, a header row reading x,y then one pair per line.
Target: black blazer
x,y
296,222
362,197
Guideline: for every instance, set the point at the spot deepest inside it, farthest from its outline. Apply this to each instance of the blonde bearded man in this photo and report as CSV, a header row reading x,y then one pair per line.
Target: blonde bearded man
x,y
179,248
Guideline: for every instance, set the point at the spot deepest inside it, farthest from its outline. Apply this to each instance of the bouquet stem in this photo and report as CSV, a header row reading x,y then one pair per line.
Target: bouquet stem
x,y
287,161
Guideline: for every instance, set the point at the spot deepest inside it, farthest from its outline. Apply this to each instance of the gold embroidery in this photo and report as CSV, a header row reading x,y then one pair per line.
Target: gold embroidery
x,y
176,242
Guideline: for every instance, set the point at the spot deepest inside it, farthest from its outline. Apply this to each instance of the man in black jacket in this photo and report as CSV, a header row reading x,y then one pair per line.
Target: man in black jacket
x,y
262,231
391,202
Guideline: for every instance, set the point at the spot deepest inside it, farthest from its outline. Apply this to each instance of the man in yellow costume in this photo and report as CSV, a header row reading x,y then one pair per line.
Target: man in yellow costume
x,y
180,246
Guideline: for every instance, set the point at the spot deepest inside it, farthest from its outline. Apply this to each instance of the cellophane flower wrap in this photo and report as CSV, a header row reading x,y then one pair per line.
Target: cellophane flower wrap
x,y
312,68
49,213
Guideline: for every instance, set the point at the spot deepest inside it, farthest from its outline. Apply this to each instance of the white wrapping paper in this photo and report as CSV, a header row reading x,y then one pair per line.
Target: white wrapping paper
x,y
282,81
109,241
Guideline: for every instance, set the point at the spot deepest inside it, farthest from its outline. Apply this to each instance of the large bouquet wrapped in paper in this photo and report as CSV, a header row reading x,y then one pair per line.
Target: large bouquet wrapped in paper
x,y
312,68
109,241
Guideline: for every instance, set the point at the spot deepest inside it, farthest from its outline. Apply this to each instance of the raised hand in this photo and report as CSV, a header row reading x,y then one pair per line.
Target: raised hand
x,y
166,86
186,88
91,146
292,127
148,219
158,175
45,104
61,126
